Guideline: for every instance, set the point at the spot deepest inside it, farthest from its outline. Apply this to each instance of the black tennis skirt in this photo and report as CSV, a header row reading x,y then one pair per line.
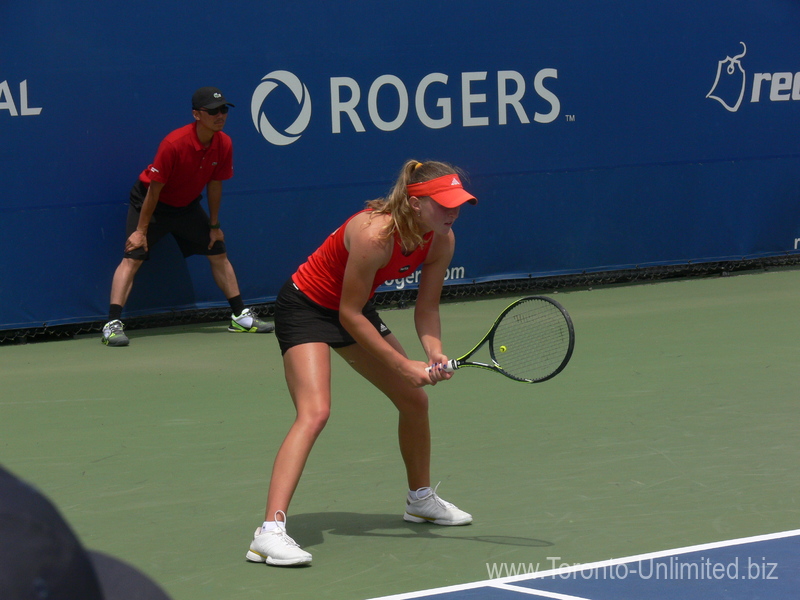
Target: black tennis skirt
x,y
300,320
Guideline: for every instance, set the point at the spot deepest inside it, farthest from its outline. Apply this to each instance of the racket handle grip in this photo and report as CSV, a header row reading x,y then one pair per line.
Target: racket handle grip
x,y
449,366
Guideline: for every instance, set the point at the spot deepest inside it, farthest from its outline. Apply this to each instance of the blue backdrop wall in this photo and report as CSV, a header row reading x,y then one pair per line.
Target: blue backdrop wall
x,y
597,135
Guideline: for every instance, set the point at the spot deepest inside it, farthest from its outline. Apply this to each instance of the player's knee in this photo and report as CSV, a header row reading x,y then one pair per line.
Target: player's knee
x,y
415,402
131,264
314,420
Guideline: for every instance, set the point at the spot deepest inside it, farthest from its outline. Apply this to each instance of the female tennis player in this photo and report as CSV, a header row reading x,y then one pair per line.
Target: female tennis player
x,y
327,304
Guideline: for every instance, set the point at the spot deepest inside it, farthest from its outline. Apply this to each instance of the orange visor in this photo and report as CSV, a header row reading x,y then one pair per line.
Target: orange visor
x,y
446,191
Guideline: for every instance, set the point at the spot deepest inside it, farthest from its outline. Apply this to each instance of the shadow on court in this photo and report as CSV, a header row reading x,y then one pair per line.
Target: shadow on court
x,y
308,530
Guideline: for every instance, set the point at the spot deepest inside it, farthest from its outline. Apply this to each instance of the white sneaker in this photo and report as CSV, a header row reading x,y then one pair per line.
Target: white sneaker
x,y
434,510
113,334
247,322
276,547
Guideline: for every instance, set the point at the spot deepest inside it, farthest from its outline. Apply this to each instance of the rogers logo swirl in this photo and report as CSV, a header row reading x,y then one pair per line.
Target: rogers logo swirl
x,y
269,83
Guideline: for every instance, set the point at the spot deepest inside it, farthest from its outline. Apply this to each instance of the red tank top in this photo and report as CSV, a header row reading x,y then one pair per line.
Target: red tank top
x,y
321,277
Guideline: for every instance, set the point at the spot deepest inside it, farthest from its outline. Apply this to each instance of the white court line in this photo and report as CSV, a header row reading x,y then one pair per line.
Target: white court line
x,y
532,592
501,582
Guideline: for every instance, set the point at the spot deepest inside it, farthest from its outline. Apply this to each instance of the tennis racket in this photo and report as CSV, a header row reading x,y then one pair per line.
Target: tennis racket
x,y
531,341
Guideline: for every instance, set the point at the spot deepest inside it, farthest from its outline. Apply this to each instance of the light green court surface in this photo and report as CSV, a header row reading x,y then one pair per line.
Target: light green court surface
x,y
675,424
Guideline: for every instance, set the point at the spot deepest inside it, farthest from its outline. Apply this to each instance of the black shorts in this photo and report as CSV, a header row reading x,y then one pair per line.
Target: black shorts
x,y
300,320
189,225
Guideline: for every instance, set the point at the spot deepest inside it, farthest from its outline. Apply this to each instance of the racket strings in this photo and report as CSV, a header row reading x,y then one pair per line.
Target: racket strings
x,y
532,340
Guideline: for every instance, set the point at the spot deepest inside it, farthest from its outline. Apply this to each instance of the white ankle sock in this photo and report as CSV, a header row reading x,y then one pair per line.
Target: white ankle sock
x,y
414,495
271,525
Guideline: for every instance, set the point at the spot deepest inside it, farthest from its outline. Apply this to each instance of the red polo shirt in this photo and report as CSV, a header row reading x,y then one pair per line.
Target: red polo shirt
x,y
185,166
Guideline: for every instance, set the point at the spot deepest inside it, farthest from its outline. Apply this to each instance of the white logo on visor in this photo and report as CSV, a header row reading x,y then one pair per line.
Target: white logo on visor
x,y
269,83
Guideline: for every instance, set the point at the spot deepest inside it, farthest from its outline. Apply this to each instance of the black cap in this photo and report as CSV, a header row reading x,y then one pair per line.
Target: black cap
x,y
208,97
41,557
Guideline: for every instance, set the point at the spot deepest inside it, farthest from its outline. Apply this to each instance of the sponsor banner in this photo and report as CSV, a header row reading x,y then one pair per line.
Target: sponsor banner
x,y
596,136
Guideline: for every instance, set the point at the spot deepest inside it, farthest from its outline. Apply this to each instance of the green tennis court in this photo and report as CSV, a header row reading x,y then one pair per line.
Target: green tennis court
x,y
675,424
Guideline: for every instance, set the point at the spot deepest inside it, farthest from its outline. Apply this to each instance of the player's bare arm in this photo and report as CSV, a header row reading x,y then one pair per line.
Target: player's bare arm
x,y
426,312
368,253
139,237
214,193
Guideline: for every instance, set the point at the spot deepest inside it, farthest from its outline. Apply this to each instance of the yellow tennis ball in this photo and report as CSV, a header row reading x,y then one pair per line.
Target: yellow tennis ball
x,y
503,348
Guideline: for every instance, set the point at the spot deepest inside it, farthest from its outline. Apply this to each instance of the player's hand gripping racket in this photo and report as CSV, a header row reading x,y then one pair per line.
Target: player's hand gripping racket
x,y
531,341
